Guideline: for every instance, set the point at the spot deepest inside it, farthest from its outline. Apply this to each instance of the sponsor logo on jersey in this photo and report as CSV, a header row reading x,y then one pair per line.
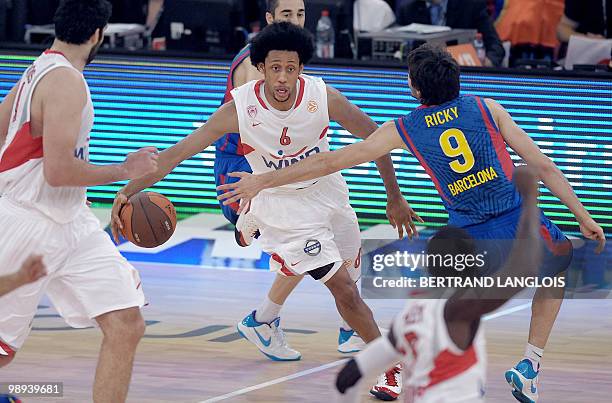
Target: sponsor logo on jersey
x,y
252,111
80,153
312,106
277,163
472,181
312,248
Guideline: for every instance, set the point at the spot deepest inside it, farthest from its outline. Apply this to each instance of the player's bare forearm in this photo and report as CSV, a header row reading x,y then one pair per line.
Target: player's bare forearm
x,y
361,125
222,121
77,173
165,165
8,283
557,183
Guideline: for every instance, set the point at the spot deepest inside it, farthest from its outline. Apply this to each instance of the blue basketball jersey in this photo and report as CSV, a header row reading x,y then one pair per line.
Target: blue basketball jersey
x,y
461,149
230,142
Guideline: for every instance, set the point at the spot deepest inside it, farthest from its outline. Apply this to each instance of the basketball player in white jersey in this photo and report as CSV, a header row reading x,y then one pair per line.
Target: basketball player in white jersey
x,y
440,341
229,158
31,270
308,227
44,172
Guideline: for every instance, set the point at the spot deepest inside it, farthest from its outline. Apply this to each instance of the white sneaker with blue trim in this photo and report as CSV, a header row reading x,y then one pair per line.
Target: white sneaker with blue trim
x,y
524,381
268,338
349,341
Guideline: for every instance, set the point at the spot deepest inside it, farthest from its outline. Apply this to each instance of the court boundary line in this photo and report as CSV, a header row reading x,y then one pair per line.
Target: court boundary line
x,y
332,364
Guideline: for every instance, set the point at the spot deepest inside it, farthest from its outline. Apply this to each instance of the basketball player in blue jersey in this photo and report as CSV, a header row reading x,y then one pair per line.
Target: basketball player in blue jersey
x,y
229,157
461,143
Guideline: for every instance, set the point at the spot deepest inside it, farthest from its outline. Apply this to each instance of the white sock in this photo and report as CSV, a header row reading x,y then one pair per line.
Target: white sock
x,y
534,354
267,311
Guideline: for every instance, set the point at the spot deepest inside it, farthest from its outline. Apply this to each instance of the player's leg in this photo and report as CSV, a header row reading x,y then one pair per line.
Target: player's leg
x,y
524,376
98,286
122,332
348,301
22,235
347,237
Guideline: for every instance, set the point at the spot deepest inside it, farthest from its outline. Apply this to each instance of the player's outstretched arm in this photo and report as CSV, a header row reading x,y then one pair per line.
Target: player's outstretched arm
x,y
224,120
550,174
6,107
379,143
353,119
31,270
62,98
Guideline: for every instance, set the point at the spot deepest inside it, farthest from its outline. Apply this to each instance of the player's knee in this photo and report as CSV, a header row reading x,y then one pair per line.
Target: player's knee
x,y
347,295
126,325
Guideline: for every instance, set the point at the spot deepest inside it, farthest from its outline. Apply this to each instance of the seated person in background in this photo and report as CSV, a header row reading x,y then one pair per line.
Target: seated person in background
x,y
372,15
461,14
586,18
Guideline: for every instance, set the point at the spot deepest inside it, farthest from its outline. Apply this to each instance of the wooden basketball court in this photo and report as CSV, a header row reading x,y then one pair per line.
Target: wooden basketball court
x,y
191,352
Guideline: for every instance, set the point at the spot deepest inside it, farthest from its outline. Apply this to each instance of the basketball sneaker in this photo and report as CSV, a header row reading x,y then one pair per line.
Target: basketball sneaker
x,y
247,227
268,338
389,385
349,341
524,381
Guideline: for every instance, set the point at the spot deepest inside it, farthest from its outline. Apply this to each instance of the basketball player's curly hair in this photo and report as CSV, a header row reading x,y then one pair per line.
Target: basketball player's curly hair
x,y
450,245
282,36
435,73
77,20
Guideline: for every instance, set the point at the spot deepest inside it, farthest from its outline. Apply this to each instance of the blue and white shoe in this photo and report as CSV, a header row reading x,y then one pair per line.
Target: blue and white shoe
x,y
349,342
524,381
268,338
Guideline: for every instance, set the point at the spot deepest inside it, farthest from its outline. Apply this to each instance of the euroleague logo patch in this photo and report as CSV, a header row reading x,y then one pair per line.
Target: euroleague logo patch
x,y
252,111
312,106
312,248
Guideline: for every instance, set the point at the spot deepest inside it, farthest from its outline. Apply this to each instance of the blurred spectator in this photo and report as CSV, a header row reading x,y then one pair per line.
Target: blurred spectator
x,y
461,14
586,17
143,12
372,15
530,26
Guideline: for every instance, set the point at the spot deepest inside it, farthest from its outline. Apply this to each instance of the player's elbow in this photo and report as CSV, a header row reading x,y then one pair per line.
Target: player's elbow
x,y
55,176
545,167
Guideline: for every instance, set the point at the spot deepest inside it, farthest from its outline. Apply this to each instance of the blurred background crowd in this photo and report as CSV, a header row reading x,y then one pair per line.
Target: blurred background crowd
x,y
536,34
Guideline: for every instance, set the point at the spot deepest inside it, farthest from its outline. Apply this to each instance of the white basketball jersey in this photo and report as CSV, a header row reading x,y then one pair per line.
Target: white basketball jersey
x,y
21,158
270,141
435,369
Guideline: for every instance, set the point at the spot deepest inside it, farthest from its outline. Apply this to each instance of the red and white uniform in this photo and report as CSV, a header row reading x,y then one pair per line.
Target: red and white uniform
x,y
435,369
87,275
303,225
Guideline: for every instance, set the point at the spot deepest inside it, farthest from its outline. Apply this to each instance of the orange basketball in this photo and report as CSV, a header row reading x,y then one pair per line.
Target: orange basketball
x,y
149,219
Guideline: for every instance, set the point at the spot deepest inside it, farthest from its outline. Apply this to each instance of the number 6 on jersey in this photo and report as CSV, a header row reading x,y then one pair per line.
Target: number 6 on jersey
x,y
284,139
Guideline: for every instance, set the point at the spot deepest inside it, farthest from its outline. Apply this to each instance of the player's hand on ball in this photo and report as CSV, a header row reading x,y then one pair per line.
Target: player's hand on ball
x,y
591,230
142,162
401,216
32,270
116,225
245,189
